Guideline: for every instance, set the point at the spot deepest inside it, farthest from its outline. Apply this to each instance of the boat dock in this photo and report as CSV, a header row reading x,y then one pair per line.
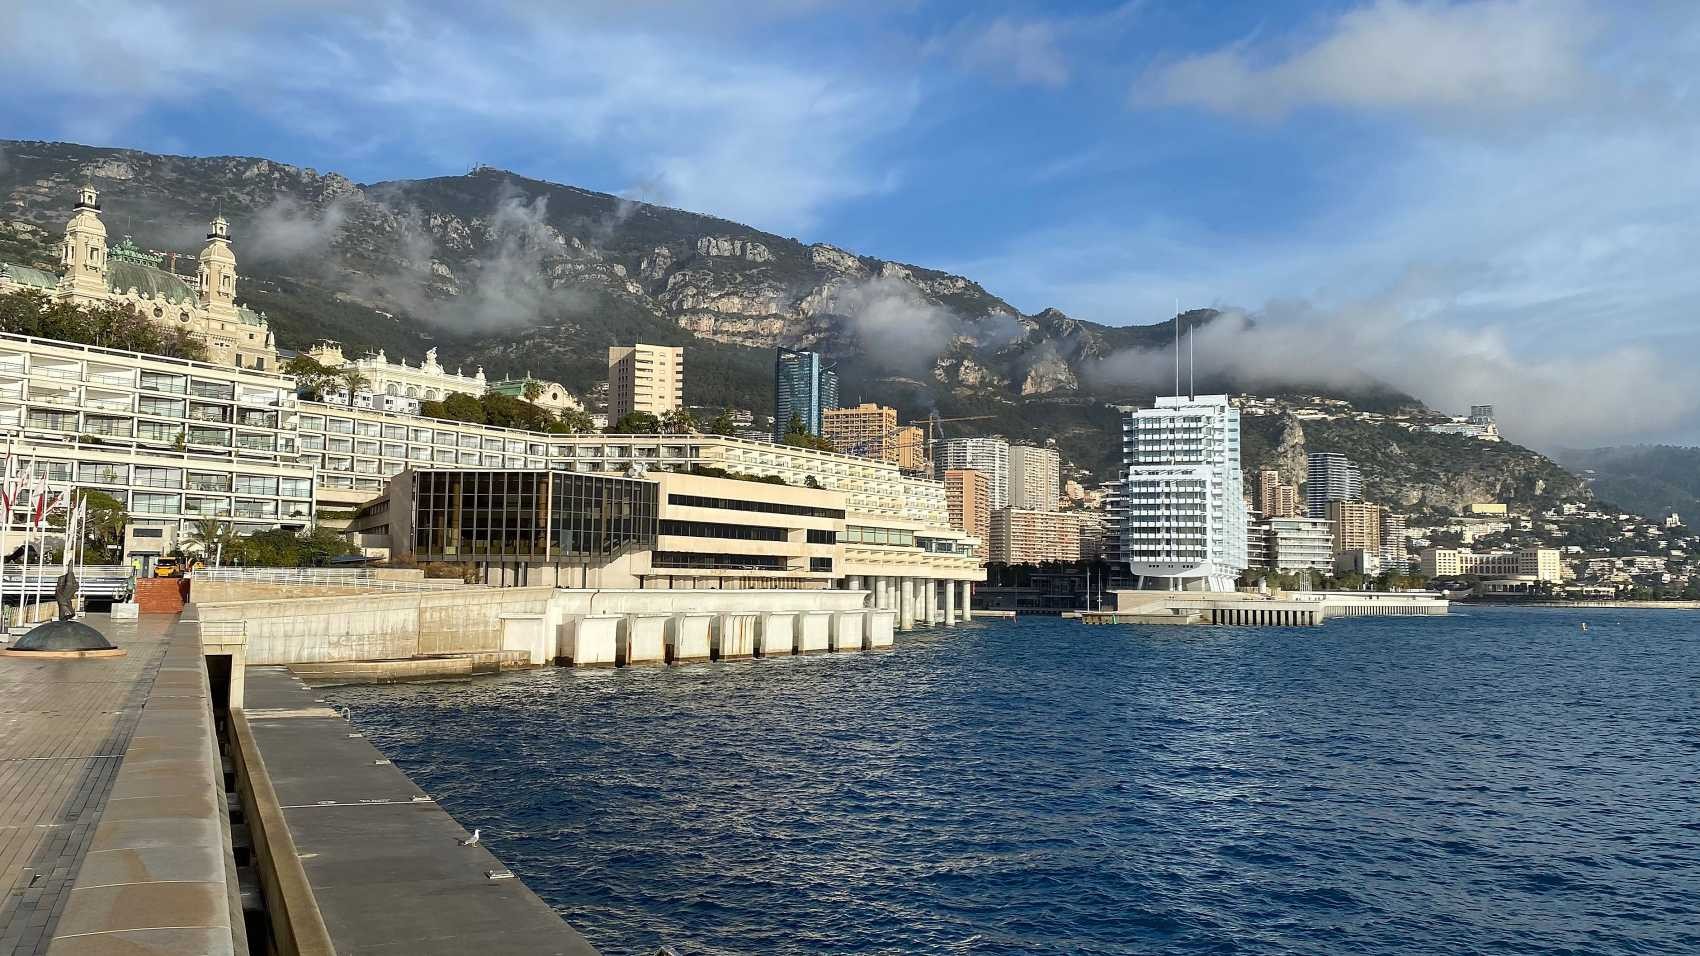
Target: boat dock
x,y
1305,609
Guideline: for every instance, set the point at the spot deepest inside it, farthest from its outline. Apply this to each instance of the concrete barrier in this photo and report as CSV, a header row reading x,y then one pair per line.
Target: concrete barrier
x,y
814,632
847,630
528,633
687,637
642,639
776,635
734,635
588,640
881,628
126,611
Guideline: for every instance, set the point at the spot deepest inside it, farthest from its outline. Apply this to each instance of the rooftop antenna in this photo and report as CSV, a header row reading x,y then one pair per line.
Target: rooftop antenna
x,y
1177,322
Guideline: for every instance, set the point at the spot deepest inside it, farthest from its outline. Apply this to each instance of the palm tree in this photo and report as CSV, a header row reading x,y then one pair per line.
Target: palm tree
x,y
211,538
533,390
354,380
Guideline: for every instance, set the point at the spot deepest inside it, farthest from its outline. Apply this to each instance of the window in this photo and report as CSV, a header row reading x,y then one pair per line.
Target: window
x,y
817,536
99,473
211,389
766,507
255,485
820,564
313,442
208,481
200,435
163,407
295,487
735,532
143,502
52,421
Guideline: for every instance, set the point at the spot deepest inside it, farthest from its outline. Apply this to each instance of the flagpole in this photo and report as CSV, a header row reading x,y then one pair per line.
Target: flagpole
x,y
5,521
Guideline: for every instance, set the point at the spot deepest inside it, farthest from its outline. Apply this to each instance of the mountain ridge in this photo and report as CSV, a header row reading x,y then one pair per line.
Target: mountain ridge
x,y
524,276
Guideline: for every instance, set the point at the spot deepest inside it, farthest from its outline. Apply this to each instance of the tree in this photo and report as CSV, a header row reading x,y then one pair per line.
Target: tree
x,y
106,520
354,380
32,312
312,377
533,390
636,423
212,539
286,549
798,435
462,407
576,421
679,421
723,423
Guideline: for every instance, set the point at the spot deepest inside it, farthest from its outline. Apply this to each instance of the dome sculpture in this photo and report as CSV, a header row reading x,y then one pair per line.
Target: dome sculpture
x,y
63,639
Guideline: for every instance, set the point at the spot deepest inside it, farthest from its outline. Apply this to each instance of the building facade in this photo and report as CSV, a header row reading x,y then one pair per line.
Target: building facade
x,y
1035,478
1021,536
988,456
1273,497
1185,513
1356,526
967,495
664,530
204,306
867,430
393,386
1535,564
1300,544
645,378
804,388
1330,476
551,396
174,441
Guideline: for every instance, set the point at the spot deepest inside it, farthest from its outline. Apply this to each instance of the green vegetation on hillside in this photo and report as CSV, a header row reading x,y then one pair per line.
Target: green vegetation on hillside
x,y
1653,480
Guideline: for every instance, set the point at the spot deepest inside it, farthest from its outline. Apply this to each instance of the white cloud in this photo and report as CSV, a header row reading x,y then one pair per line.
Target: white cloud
x,y
1012,51
1481,57
754,132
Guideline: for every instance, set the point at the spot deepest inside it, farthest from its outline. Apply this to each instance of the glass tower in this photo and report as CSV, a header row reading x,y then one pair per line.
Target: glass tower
x,y
803,387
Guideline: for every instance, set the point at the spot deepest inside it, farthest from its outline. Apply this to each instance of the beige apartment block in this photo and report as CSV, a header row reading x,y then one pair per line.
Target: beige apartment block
x,y
968,495
1022,536
1357,526
645,378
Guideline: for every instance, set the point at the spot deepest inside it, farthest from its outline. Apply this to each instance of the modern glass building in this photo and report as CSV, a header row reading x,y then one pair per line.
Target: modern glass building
x,y
530,516
803,387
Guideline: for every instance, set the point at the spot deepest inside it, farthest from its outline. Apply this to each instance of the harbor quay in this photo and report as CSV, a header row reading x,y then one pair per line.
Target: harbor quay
x,y
1243,608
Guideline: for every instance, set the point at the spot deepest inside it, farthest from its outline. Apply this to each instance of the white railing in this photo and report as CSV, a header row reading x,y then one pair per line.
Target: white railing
x,y
347,577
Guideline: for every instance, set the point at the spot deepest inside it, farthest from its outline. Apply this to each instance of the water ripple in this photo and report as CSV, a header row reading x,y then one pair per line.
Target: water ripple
x,y
1488,783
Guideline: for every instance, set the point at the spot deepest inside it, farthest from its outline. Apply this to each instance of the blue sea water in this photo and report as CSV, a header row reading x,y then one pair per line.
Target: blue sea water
x,y
1497,781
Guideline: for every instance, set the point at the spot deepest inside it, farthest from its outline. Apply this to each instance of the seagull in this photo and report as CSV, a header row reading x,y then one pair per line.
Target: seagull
x,y
471,840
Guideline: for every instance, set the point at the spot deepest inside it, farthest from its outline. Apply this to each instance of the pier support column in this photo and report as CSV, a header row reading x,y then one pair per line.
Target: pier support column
x,y
949,603
906,603
882,592
967,599
924,601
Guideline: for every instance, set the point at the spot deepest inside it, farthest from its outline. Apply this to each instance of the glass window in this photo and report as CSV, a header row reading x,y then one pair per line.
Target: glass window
x,y
255,485
312,423
101,473
162,407
202,435
152,503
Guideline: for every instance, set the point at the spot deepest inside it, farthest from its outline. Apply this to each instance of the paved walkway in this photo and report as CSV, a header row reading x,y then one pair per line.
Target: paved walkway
x,y
385,862
64,728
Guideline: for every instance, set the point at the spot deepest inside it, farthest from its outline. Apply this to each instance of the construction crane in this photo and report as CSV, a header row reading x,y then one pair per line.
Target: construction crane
x,y
932,420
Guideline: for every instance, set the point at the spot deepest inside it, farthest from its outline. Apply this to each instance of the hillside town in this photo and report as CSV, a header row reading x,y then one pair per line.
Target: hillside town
x,y
258,439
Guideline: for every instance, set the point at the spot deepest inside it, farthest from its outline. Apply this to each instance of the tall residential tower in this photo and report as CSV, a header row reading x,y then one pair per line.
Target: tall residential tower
x,y
804,387
1184,525
645,378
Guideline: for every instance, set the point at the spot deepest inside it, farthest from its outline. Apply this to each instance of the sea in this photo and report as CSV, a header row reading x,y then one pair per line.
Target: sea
x,y
1494,781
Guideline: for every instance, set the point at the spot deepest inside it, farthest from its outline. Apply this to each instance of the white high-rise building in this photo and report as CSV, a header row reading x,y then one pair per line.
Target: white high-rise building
x,y
989,456
1185,513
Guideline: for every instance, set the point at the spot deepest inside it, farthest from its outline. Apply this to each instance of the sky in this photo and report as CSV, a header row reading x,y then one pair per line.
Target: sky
x,y
1489,201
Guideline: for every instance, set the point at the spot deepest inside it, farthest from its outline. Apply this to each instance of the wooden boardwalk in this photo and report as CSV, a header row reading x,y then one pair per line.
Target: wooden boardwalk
x,y
64,728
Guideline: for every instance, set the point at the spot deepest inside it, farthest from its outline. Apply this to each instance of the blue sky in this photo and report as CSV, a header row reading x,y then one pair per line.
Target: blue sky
x,y
1497,196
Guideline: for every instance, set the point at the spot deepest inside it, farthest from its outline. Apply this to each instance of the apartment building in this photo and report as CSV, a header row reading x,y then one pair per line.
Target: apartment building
x,y
805,386
967,495
988,456
645,378
1300,544
1184,518
1330,477
1023,536
868,430
1356,526
1272,497
1035,478
173,440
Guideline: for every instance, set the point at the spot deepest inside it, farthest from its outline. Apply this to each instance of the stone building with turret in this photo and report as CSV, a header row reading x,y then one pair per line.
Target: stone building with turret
x,y
92,273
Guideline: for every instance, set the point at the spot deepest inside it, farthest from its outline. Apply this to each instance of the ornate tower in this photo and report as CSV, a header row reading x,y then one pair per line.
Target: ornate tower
x,y
82,257
217,274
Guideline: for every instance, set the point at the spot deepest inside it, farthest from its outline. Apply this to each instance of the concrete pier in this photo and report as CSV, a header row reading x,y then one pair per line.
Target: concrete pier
x,y
949,603
814,632
881,626
776,634
734,636
642,639
848,630
589,640
529,633
687,637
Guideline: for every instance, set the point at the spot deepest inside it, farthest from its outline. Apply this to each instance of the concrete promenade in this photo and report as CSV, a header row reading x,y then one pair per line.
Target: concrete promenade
x,y
113,833
383,861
